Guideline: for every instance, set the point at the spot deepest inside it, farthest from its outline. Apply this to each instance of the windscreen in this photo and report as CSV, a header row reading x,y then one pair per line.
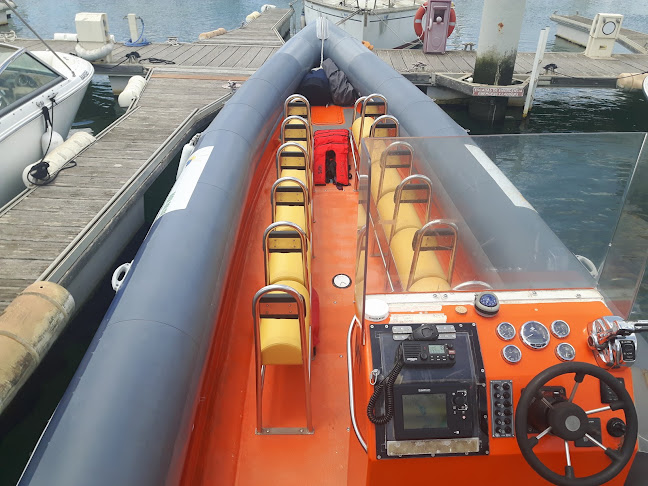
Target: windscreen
x,y
502,212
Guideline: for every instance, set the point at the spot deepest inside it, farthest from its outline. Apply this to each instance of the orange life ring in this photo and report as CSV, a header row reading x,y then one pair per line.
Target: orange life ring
x,y
418,21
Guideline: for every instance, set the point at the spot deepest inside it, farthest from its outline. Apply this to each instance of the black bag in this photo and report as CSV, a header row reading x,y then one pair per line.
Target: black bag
x,y
315,87
342,91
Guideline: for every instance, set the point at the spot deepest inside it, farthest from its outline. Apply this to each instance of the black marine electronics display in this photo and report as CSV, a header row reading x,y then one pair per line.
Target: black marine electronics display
x,y
438,394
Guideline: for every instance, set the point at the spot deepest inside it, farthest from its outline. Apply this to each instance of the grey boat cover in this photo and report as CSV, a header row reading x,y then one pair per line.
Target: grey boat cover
x,y
342,91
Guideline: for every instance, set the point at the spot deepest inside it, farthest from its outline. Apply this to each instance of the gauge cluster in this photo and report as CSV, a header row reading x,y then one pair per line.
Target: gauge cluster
x,y
536,336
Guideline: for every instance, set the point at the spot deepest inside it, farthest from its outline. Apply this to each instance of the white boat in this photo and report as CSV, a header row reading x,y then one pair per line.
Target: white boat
x,y
387,24
33,86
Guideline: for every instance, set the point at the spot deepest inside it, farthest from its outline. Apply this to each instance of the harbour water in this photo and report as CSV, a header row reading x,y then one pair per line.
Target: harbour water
x,y
546,187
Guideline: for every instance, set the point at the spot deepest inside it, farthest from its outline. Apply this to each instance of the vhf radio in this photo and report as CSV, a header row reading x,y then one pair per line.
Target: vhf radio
x,y
424,350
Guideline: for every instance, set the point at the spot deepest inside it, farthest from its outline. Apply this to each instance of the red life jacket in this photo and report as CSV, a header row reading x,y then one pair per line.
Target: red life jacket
x,y
336,143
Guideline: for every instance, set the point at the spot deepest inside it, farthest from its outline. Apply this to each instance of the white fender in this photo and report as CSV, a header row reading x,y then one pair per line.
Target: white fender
x,y
61,155
187,151
267,6
132,91
47,144
94,54
252,16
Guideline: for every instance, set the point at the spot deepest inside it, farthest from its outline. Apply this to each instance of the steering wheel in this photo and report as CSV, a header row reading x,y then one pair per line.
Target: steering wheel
x,y
26,81
569,422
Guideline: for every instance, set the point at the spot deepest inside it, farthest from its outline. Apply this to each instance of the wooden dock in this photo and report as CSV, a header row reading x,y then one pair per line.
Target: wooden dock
x,y
245,49
634,41
52,232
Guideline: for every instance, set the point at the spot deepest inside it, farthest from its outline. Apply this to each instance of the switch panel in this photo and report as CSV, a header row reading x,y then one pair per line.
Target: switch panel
x,y
501,396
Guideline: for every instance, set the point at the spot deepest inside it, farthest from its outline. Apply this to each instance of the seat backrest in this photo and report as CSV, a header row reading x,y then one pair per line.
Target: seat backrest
x,y
437,235
290,191
385,126
414,189
285,237
368,106
279,302
297,129
398,155
292,155
297,105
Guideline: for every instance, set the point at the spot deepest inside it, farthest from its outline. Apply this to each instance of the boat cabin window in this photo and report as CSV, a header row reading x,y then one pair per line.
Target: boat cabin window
x,y
437,215
22,77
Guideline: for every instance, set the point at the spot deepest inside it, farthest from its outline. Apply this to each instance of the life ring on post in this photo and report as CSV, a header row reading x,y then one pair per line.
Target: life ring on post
x,y
418,21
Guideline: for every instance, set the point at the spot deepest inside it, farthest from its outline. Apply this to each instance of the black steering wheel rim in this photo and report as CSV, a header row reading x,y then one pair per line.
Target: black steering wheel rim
x,y
619,457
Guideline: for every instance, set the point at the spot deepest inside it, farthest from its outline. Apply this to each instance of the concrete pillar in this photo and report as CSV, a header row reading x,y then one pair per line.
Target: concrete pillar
x,y
499,36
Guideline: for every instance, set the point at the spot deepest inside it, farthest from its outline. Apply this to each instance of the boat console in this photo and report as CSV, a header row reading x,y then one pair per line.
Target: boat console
x,y
483,345
437,399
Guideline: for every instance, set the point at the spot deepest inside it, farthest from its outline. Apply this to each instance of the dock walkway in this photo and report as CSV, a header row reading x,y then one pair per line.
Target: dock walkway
x,y
55,232
48,223
49,232
244,50
631,39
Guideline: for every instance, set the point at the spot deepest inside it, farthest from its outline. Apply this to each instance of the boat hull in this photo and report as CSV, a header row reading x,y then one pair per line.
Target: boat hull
x,y
383,28
21,129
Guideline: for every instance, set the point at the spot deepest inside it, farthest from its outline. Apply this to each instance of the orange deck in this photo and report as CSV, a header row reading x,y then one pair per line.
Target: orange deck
x,y
224,448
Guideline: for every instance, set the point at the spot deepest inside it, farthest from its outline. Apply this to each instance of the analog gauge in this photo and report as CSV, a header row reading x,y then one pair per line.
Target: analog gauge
x,y
565,352
505,331
534,334
341,281
511,354
560,329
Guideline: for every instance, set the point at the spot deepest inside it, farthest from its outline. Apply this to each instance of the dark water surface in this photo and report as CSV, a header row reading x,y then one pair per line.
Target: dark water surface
x,y
578,200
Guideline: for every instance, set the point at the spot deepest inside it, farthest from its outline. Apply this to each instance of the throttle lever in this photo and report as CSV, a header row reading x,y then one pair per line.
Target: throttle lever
x,y
636,326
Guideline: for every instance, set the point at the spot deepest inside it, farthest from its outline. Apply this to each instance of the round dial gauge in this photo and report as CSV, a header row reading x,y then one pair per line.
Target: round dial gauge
x,y
609,28
511,354
560,329
534,334
565,352
505,331
341,281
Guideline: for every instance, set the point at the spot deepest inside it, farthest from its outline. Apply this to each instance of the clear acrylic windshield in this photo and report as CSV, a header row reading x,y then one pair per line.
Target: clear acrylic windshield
x,y
445,214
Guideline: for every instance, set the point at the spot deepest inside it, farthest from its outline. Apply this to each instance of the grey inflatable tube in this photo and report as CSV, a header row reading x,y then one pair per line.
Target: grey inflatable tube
x,y
125,417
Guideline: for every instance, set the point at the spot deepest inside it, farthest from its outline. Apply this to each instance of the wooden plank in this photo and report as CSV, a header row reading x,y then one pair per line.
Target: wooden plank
x,y
396,60
203,58
235,57
461,60
188,53
73,192
23,269
44,219
47,250
262,57
247,58
223,56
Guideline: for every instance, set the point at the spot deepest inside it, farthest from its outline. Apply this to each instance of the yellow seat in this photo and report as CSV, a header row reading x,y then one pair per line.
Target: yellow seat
x,y
366,128
429,271
391,179
407,216
293,214
293,160
285,266
297,174
430,284
279,338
